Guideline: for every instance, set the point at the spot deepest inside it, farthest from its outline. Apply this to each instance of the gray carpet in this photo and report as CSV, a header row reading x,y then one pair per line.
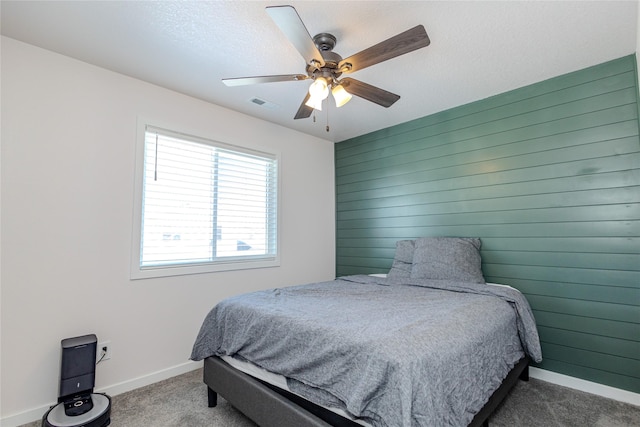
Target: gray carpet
x,y
182,402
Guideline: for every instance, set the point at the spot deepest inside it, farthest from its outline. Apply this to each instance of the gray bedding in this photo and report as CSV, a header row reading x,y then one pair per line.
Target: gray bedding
x,y
394,353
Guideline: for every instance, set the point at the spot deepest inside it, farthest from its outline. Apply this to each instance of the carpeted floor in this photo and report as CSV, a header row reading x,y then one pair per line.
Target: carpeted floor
x,y
182,402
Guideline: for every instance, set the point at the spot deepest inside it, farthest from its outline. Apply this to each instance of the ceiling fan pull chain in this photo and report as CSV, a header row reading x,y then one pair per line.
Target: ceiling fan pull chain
x,y
327,118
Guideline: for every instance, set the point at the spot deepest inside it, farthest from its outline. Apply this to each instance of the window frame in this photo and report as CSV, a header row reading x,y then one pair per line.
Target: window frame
x,y
138,272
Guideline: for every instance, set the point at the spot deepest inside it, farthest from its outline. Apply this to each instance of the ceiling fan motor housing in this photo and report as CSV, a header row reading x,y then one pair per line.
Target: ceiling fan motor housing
x,y
325,43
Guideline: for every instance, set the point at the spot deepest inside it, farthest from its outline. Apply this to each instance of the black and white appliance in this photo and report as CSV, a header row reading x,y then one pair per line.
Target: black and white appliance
x,y
78,405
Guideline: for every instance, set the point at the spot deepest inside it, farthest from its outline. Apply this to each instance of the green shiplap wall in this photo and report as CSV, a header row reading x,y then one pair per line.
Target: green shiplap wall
x,y
548,176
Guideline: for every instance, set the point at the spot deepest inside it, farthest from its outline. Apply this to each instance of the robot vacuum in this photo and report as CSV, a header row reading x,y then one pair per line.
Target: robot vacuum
x,y
99,415
78,405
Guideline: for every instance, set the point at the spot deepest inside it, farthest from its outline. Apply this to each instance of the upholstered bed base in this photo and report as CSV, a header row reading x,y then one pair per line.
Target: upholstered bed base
x,y
270,406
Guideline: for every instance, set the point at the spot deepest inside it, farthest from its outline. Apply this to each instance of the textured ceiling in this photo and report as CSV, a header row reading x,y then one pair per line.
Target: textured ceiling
x,y
478,49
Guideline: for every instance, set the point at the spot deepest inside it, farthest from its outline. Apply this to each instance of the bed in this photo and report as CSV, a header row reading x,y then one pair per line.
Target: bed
x,y
429,344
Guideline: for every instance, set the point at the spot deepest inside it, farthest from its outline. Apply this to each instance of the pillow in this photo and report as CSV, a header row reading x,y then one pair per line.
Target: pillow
x,y
448,258
401,267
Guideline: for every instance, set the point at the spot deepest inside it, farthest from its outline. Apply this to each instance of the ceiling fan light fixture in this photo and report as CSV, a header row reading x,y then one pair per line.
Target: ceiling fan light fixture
x,y
319,89
315,103
340,95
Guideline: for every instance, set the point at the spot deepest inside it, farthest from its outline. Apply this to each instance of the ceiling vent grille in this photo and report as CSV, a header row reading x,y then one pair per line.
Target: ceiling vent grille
x,y
263,103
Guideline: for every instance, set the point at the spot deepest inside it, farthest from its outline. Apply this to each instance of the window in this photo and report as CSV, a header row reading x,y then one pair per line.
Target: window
x,y
203,206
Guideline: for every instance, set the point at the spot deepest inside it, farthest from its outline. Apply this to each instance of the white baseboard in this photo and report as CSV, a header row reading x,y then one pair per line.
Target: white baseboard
x,y
112,390
586,386
151,378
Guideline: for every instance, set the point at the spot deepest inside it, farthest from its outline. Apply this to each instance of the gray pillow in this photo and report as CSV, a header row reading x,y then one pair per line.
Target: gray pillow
x,y
401,267
448,258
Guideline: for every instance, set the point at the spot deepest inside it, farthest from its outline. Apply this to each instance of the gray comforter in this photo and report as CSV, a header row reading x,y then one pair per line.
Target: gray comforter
x,y
416,353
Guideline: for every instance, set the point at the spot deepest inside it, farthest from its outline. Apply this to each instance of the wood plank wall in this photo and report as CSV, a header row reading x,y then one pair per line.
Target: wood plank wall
x,y
548,176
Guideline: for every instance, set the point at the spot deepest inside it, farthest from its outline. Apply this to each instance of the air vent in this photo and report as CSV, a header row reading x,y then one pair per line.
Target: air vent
x,y
263,103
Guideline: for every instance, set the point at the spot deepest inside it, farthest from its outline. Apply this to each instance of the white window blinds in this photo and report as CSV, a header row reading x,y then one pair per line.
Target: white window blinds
x,y
204,202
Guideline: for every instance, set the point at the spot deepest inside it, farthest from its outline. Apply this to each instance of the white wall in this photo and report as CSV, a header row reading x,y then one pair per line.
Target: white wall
x,y
68,143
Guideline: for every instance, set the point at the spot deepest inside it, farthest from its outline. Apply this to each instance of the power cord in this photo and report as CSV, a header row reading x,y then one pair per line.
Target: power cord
x,y
104,354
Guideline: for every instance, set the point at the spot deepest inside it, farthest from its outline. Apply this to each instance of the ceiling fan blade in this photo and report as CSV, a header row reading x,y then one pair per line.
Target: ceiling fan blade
x,y
289,22
408,41
304,111
242,81
368,92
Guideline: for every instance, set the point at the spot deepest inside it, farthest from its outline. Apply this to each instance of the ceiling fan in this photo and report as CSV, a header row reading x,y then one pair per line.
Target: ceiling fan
x,y
325,67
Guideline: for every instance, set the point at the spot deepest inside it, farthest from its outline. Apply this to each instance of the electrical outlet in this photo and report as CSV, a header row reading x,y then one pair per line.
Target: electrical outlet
x,y
104,351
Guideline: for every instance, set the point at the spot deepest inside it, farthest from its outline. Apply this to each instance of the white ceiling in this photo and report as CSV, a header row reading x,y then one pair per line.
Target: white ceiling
x,y
478,49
